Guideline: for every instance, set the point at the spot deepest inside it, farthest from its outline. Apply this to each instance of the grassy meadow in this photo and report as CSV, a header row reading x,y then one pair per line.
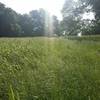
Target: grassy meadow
x,y
49,68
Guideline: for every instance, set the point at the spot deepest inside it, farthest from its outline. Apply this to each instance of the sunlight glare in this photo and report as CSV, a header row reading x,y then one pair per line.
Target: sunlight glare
x,y
48,25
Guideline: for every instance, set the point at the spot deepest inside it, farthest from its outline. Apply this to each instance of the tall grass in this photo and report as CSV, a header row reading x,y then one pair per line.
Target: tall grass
x,y
49,69
11,93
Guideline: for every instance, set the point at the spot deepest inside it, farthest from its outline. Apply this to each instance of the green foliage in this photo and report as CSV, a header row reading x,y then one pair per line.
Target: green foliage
x,y
71,25
84,37
73,13
72,19
95,7
49,69
8,22
36,23
11,93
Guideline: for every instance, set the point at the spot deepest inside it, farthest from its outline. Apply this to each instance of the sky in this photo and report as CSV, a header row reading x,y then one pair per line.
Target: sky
x,y
24,6
88,16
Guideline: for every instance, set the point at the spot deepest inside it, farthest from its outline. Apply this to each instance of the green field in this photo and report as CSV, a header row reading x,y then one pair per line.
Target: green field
x,y
49,69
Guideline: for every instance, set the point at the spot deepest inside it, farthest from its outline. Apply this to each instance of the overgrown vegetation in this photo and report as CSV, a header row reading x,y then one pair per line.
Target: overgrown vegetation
x,y
49,69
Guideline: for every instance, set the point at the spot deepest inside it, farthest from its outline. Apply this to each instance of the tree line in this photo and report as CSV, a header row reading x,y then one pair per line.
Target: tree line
x,y
36,23
40,23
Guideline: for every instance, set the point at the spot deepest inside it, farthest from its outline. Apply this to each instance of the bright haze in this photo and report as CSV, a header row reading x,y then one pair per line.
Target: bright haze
x,y
25,6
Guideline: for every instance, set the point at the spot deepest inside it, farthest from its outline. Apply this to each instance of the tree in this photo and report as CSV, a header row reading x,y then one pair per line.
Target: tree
x,y
71,26
56,25
25,22
71,17
73,21
94,6
8,22
36,23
